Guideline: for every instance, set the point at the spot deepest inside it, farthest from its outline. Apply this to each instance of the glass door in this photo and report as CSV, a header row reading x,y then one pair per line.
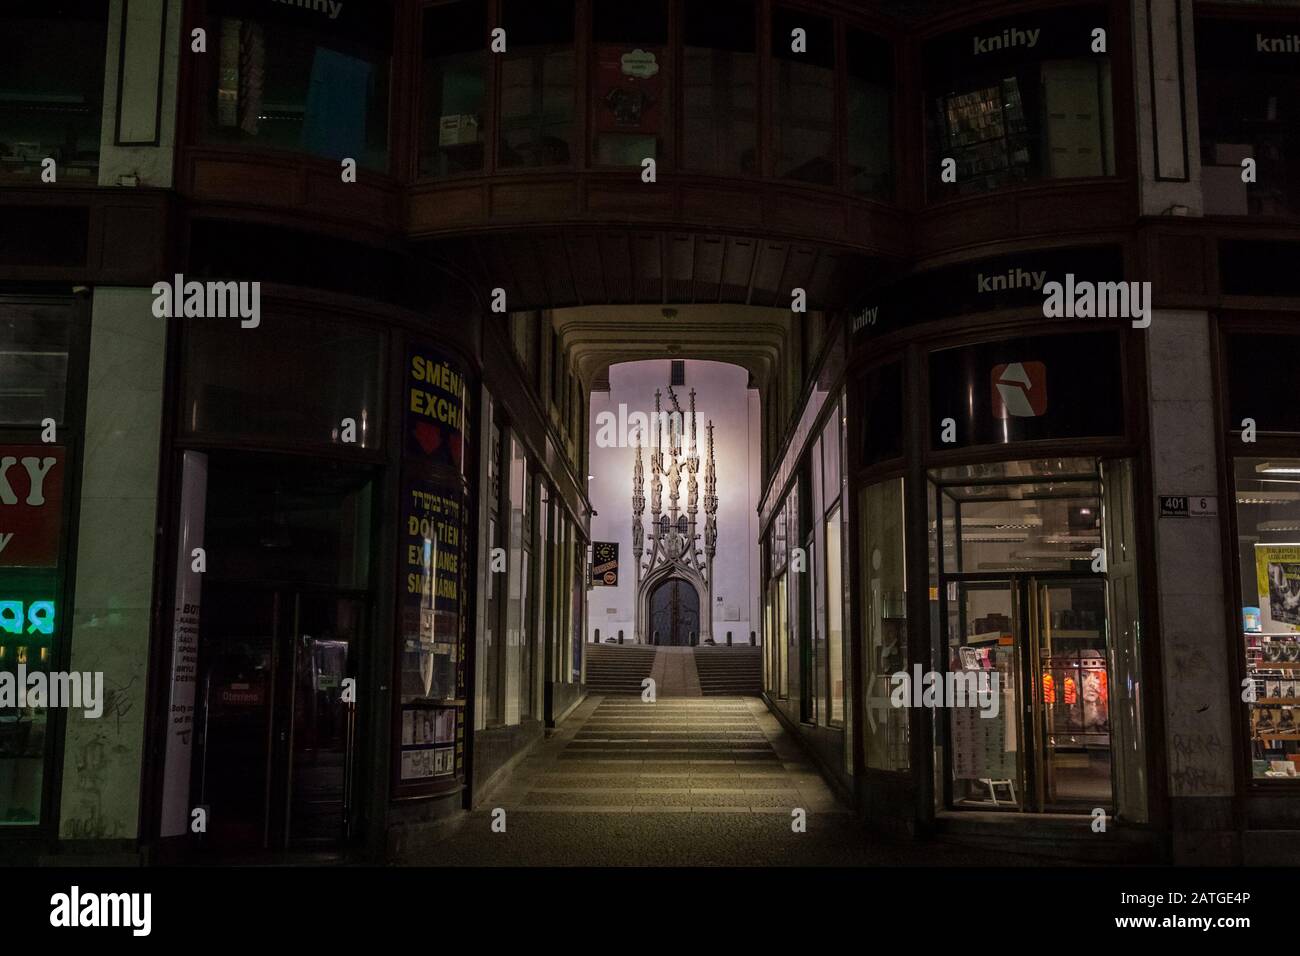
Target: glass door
x,y
276,732
321,718
1072,707
985,664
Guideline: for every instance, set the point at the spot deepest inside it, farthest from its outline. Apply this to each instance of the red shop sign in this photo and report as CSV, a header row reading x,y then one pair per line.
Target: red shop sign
x,y
31,505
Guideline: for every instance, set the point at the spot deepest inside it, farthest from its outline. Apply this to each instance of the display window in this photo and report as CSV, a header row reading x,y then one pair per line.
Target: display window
x,y
537,84
1266,509
453,88
869,113
52,88
40,355
1027,389
628,85
1248,97
882,568
301,77
719,84
293,379
1048,632
1019,100
803,98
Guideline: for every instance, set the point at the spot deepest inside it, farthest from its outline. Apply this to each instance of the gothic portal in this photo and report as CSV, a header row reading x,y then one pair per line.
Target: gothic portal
x,y
673,562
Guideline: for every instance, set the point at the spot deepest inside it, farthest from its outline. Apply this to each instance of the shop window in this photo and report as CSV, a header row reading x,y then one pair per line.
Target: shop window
x,y
493,636
1021,603
833,538
869,103
299,78
1019,100
537,83
880,424
52,87
453,88
882,560
720,88
35,341
1268,565
628,86
1248,94
275,519
292,380
517,629
1027,389
803,98
1261,367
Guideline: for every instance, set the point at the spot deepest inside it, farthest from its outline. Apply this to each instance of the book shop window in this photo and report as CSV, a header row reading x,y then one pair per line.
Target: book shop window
x,y
310,79
1248,91
1016,101
52,88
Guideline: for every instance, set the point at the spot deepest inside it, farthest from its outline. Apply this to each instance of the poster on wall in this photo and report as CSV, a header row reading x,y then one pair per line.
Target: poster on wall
x,y
31,505
437,401
628,89
604,563
1277,573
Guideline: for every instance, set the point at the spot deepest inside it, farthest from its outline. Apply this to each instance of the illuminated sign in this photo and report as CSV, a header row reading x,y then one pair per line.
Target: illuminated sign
x,y
31,617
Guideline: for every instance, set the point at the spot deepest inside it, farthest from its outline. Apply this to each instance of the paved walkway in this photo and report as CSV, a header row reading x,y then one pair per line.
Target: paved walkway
x,y
674,672
681,782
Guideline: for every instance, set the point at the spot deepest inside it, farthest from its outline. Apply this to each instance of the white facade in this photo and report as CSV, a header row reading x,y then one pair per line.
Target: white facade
x,y
722,396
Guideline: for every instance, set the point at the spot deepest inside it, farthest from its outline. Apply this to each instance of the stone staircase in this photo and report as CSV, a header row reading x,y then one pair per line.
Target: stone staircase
x,y
730,671
618,668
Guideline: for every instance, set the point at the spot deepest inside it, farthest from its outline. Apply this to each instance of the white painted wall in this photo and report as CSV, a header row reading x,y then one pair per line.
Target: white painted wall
x,y
721,395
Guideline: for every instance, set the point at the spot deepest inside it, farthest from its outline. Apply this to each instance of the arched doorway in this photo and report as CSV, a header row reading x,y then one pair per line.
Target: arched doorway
x,y
674,612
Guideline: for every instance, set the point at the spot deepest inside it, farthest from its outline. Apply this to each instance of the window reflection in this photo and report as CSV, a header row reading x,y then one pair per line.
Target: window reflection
x,y
720,88
51,87
453,88
803,98
537,83
297,79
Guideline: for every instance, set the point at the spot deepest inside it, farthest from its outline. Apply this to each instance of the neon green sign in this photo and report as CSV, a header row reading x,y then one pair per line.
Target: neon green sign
x,y
37,616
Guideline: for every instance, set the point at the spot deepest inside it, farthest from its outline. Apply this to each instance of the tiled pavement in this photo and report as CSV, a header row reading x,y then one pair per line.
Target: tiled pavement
x,y
684,781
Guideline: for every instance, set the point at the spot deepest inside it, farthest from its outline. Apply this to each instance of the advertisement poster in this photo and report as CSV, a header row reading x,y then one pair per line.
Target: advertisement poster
x,y
31,505
432,553
1277,573
437,401
433,670
628,89
604,563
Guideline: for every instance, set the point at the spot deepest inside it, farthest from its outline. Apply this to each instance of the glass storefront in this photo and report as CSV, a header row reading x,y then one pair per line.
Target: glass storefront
x,y
52,88
1018,100
1022,596
301,79
1248,98
883,570
39,356
1266,490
